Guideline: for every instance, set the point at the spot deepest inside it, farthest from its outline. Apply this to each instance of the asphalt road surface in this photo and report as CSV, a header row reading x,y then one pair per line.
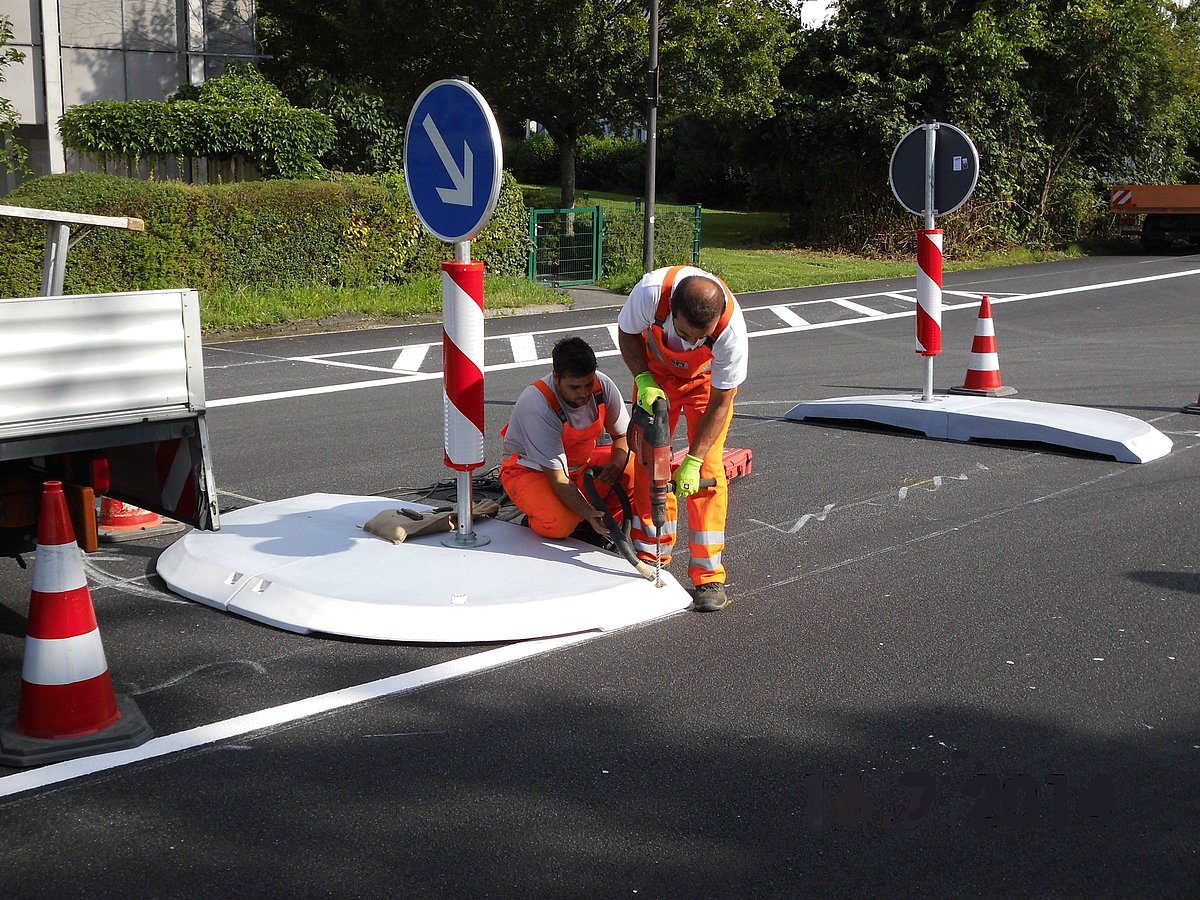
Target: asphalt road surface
x,y
949,670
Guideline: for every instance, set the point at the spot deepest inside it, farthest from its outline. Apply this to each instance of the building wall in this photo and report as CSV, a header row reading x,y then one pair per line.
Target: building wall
x,y
113,50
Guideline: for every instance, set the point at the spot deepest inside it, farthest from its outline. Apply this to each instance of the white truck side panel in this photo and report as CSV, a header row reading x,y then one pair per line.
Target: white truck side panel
x,y
76,361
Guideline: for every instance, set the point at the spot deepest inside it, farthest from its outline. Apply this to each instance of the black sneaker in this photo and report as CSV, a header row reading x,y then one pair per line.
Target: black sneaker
x,y
710,597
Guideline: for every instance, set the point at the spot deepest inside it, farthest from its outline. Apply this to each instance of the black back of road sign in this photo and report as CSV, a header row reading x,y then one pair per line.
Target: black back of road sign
x,y
955,170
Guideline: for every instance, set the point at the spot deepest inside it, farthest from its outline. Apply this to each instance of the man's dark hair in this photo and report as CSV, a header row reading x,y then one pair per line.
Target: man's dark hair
x,y
697,299
573,358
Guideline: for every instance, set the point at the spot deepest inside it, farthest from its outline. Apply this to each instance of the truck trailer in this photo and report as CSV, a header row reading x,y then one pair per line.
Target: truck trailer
x,y
103,392
1160,214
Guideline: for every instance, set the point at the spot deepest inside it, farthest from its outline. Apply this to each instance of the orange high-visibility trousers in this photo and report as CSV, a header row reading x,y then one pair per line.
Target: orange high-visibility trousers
x,y
706,508
531,491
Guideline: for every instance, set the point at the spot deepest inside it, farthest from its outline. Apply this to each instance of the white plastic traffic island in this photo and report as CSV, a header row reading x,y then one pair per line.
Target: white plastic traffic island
x,y
305,564
966,418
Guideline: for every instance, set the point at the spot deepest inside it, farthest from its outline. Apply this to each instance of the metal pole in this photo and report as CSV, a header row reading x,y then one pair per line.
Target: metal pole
x,y
930,156
54,260
651,140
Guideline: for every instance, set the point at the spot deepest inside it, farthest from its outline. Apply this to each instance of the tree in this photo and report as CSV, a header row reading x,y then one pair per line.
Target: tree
x,y
1061,96
575,66
13,154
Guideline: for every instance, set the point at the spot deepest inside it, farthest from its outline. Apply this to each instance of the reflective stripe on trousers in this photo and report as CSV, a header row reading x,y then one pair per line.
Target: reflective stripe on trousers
x,y
706,508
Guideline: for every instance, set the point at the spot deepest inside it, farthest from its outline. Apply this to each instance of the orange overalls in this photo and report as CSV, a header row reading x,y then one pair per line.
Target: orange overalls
x,y
530,489
684,377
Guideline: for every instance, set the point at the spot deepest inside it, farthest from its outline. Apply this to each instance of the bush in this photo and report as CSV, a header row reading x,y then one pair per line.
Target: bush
x,y
352,231
616,165
238,114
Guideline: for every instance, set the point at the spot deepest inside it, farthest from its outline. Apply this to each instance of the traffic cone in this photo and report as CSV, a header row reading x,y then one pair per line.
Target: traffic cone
x,y
68,707
123,522
983,372
1193,408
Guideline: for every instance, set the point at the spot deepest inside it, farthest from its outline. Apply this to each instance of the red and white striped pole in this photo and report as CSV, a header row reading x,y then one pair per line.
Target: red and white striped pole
x,y
462,379
929,271
929,292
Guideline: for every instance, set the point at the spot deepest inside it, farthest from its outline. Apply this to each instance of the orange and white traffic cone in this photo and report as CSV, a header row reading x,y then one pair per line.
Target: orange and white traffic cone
x,y
983,372
68,707
123,522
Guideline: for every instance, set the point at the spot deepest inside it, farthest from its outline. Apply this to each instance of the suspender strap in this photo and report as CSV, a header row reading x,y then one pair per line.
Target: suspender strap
x,y
552,399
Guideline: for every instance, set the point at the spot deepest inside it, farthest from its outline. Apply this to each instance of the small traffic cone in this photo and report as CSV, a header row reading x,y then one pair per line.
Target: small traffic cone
x,y
1193,408
68,707
123,522
983,372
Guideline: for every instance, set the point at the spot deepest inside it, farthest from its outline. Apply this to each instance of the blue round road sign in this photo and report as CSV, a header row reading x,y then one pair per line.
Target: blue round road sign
x,y
452,160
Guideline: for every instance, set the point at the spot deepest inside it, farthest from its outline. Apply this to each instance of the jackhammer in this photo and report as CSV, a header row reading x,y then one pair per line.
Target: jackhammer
x,y
650,443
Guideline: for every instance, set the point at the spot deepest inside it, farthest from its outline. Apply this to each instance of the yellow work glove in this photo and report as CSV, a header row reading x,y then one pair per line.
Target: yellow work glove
x,y
687,477
648,391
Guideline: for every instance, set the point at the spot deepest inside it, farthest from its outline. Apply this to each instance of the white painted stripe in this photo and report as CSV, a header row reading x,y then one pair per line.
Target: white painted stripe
x,y
896,295
58,568
613,333
177,477
269,719
523,347
788,316
463,441
411,358
985,362
970,295
767,332
858,308
463,324
64,660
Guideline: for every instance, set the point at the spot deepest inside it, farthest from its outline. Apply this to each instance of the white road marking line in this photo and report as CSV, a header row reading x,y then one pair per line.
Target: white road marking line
x,y
896,295
268,719
612,333
787,316
411,358
858,308
970,295
873,316
523,347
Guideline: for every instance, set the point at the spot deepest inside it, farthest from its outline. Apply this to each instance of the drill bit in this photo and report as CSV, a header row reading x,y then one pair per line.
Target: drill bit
x,y
657,559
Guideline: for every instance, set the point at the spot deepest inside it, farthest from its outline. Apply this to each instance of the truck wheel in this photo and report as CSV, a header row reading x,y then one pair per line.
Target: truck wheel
x,y
1153,238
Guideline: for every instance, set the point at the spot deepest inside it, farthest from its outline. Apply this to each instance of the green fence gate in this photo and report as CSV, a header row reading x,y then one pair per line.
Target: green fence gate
x,y
568,245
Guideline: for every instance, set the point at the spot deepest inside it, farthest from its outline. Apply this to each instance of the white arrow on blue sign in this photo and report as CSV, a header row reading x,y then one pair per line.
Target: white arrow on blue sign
x,y
452,160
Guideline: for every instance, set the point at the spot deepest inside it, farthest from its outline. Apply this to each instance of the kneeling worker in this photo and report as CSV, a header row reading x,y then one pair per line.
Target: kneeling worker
x,y
551,440
682,335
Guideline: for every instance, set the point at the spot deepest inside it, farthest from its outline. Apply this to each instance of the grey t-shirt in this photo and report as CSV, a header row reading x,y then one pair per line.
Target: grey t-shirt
x,y
535,432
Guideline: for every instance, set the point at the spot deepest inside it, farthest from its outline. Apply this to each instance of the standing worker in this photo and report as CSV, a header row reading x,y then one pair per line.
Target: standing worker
x,y
682,335
551,440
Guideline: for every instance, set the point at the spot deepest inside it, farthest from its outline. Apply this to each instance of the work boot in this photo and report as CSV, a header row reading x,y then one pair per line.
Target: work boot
x,y
710,597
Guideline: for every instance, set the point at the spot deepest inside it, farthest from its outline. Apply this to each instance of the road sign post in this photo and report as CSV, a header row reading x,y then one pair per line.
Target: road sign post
x,y
934,169
452,166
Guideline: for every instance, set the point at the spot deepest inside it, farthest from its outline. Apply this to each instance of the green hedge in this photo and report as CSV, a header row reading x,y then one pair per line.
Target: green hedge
x,y
237,114
601,164
353,231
